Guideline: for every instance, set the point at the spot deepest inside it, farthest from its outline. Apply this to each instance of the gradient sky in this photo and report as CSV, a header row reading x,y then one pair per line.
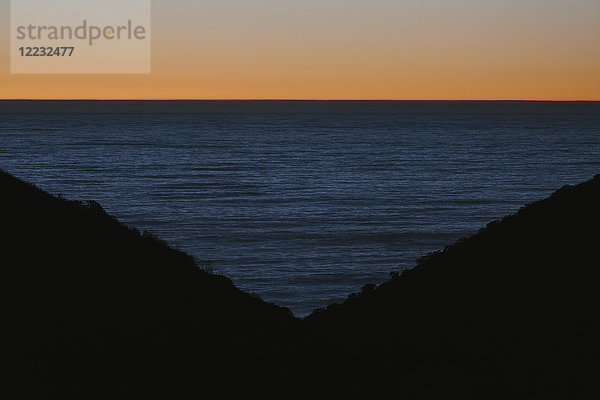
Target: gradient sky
x,y
348,49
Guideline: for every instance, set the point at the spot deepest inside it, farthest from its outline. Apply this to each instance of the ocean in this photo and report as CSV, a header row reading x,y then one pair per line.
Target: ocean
x,y
303,203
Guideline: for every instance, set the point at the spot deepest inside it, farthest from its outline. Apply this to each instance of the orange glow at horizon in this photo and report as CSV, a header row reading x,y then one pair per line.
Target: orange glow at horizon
x,y
424,50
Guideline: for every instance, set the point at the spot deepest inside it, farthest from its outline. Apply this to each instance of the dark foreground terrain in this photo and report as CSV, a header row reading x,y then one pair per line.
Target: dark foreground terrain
x,y
95,309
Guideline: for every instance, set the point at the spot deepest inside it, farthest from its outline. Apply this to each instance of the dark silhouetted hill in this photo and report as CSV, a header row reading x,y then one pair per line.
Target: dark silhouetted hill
x,y
96,309
513,310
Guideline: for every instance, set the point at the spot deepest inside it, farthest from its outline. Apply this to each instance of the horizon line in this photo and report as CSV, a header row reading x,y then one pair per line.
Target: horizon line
x,y
324,100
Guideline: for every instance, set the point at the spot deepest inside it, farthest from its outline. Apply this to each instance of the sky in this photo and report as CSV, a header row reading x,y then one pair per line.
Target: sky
x,y
347,49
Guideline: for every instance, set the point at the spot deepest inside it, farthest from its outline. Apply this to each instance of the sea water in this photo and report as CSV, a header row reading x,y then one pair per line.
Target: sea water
x,y
303,203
